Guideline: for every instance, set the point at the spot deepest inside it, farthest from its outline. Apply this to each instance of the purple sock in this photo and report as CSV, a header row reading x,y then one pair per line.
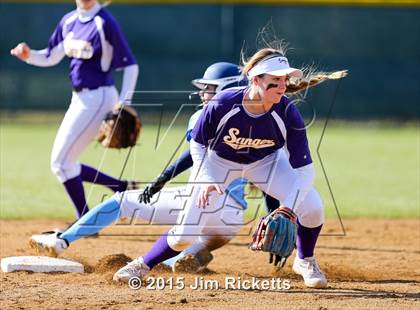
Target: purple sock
x,y
90,174
306,240
160,252
75,190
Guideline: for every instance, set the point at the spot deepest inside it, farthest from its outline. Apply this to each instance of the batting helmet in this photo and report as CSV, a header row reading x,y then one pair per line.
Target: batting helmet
x,y
223,75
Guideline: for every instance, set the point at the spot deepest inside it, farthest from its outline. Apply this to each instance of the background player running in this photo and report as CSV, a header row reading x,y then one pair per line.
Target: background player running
x,y
96,46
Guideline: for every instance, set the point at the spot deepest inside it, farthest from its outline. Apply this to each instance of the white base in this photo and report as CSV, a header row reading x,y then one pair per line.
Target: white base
x,y
39,264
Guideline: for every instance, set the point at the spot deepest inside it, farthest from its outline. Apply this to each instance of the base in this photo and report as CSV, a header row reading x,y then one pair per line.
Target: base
x,y
39,264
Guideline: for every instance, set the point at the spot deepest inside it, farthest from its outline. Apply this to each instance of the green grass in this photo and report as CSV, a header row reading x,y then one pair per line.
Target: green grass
x,y
374,170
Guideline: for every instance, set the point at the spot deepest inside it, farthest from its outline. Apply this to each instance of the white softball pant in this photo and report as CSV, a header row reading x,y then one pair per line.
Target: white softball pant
x,y
79,128
273,175
167,208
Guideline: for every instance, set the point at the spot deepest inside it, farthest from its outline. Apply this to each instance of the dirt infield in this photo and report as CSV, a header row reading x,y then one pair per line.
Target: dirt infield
x,y
375,266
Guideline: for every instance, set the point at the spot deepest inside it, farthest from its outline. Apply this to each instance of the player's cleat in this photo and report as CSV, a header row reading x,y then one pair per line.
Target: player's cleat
x,y
204,258
193,263
49,243
131,185
187,264
309,269
136,268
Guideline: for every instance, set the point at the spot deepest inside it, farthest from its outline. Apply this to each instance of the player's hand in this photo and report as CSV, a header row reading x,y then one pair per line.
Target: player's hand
x,y
145,195
203,196
117,106
21,51
153,188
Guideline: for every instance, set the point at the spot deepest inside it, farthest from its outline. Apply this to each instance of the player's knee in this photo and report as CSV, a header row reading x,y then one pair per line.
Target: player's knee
x,y
216,242
179,242
65,170
58,171
119,197
317,214
313,215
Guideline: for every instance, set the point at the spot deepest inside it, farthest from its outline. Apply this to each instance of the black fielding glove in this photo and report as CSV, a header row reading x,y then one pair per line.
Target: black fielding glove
x,y
153,188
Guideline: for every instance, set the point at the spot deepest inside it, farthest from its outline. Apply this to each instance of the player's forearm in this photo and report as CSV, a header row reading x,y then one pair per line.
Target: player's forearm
x,y
129,83
301,187
183,163
44,59
198,153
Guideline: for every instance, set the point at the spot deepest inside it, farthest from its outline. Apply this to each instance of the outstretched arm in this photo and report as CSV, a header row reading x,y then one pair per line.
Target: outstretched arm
x,y
50,56
21,51
42,58
183,163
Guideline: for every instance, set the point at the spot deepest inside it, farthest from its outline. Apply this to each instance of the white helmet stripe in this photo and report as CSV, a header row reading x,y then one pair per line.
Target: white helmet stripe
x,y
220,83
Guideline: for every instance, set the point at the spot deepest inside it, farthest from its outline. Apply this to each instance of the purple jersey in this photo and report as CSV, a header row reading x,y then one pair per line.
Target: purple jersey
x,y
236,135
95,46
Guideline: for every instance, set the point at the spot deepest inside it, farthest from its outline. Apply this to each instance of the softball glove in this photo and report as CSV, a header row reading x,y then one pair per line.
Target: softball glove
x,y
120,128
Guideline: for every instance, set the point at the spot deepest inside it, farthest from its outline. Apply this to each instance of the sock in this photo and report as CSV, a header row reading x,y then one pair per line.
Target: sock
x,y
76,192
95,220
159,252
90,174
306,240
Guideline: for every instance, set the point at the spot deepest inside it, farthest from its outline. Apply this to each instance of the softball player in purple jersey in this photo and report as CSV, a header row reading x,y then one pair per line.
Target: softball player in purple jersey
x,y
93,41
256,133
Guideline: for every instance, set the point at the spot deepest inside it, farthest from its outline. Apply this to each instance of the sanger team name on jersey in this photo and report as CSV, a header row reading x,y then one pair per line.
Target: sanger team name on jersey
x,y
80,49
237,143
